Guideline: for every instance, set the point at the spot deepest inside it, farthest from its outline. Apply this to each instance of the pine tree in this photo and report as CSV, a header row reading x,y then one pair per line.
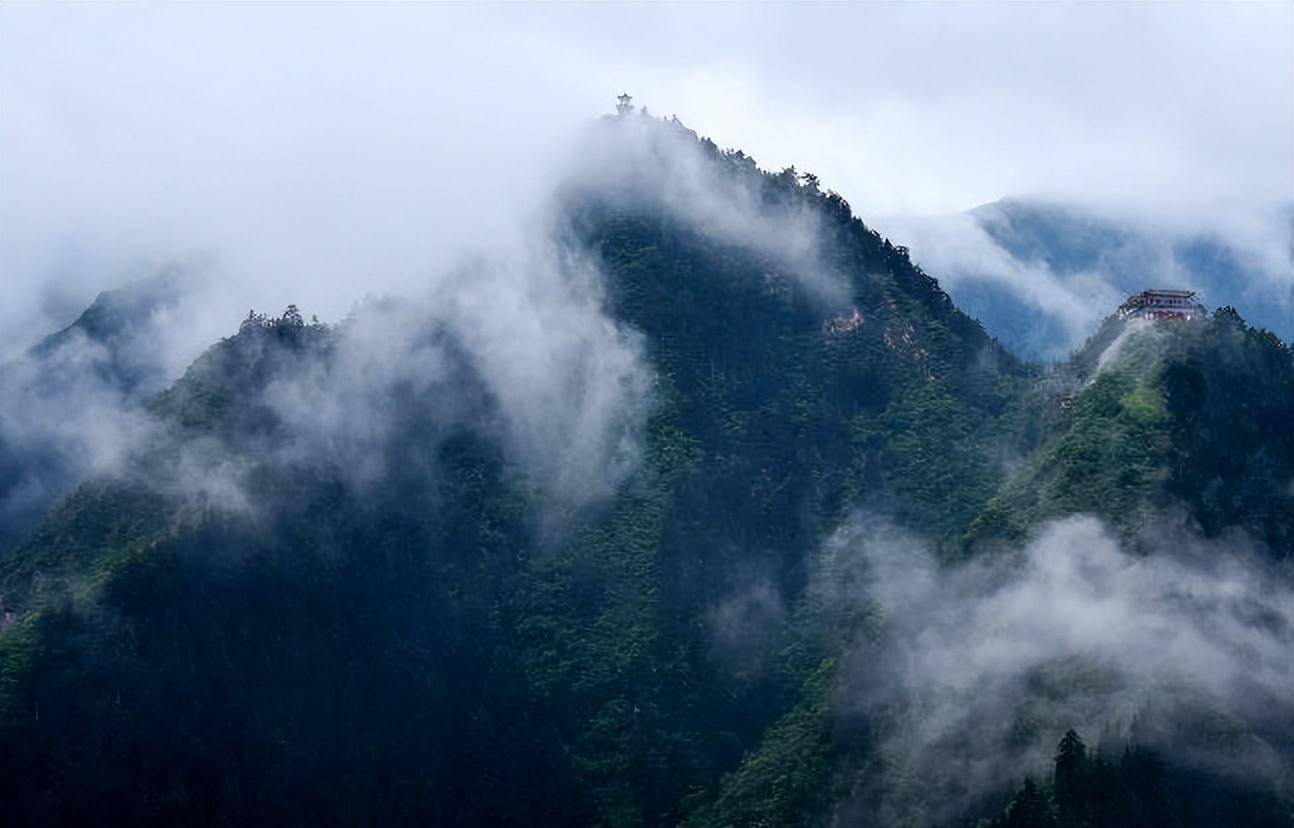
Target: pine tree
x,y
1029,808
1072,780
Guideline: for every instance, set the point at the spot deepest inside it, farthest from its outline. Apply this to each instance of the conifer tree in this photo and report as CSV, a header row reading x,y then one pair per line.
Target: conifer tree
x,y
1030,808
1072,774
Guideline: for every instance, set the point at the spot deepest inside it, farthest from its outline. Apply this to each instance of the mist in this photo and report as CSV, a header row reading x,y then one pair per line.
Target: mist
x,y
329,286
524,339
1245,260
316,155
518,326
971,673
634,164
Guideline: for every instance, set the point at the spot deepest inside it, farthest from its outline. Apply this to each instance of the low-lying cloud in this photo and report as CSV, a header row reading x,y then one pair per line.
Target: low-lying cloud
x,y
74,403
529,335
522,323
973,672
636,162
1042,275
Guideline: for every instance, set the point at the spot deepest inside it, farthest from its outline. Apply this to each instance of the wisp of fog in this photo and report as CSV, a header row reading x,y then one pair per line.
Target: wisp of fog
x,y
973,672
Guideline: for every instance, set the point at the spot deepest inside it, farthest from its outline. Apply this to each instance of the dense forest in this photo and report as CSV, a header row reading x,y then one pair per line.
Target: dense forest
x,y
350,577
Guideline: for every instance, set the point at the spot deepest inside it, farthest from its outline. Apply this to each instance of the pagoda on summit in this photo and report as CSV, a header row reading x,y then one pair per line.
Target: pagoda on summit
x,y
1177,305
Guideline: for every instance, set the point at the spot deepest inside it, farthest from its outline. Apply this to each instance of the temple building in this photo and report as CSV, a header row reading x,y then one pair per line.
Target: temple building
x,y
1161,304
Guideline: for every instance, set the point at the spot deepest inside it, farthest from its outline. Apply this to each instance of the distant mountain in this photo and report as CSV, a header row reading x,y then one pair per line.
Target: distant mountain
x,y
637,533
1040,275
73,385
115,338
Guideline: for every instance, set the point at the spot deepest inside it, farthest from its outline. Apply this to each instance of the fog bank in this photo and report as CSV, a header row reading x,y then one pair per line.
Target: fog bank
x,y
975,671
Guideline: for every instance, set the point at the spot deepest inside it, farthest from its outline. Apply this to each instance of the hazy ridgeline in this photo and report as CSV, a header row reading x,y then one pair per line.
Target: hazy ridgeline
x,y
691,500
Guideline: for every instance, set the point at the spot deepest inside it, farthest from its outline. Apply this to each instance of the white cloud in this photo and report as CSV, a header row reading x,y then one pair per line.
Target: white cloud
x,y
320,152
975,671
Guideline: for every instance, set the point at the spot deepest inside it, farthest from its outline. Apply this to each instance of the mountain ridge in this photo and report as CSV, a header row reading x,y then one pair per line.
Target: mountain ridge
x,y
341,586
1039,271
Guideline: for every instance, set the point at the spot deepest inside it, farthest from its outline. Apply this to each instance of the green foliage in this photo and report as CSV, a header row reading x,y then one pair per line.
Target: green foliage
x,y
1193,414
19,653
1229,394
782,782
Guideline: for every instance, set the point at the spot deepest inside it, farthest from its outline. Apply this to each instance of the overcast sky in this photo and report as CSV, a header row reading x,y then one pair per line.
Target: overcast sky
x,y
313,153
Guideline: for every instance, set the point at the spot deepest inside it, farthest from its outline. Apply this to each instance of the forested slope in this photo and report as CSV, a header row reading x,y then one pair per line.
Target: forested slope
x,y
1153,424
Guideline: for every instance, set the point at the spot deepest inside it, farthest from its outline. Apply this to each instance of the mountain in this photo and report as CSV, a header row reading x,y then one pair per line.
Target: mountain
x,y
633,532
1105,583
1039,273
112,337
73,385
1146,418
